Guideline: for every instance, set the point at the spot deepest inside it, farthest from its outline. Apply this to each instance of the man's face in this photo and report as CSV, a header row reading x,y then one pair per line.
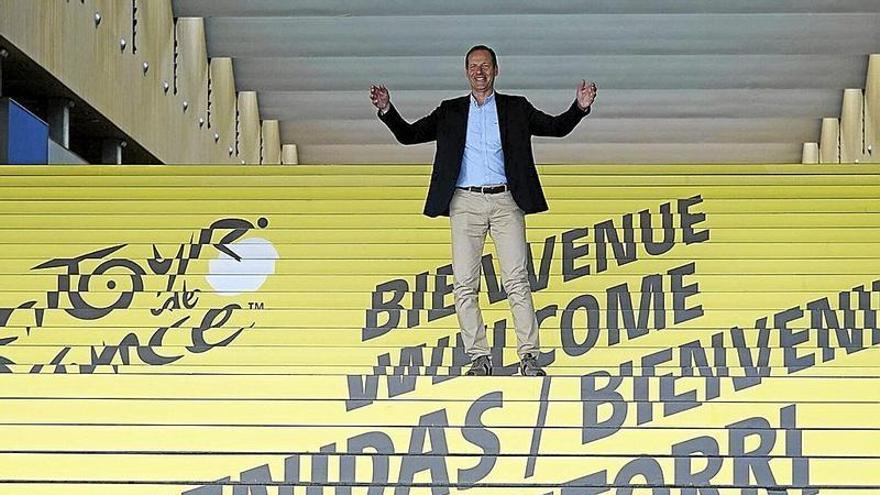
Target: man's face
x,y
481,71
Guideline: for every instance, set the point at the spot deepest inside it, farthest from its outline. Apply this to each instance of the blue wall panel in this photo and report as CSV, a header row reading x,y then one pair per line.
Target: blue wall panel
x,y
24,137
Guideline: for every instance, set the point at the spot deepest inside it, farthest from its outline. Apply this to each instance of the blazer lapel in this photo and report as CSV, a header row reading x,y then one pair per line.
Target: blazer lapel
x,y
463,109
501,107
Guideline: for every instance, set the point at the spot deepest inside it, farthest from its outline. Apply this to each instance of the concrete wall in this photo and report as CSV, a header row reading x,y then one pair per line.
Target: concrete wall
x,y
152,81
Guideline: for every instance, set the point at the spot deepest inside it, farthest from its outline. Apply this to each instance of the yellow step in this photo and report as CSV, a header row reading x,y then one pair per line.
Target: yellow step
x,y
403,193
395,179
858,472
244,207
300,375
422,169
433,236
549,223
772,389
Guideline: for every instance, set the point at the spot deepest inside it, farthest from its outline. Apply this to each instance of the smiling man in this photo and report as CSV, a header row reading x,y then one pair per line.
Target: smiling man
x,y
484,178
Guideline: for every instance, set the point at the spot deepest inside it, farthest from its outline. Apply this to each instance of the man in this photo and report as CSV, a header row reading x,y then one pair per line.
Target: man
x,y
484,179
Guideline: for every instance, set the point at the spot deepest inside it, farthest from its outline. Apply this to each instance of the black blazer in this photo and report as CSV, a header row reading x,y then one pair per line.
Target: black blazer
x,y
518,121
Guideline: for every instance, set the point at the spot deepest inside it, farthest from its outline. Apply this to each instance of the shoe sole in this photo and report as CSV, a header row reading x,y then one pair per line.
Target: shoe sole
x,y
475,374
540,373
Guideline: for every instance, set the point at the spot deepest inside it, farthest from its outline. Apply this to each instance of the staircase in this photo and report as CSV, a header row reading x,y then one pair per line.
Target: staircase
x,y
209,330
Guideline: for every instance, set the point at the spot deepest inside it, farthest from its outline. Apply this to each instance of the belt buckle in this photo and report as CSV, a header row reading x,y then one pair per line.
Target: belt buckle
x,y
487,189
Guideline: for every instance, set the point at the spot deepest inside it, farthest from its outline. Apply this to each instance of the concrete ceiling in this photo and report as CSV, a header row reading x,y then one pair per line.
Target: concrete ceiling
x,y
679,80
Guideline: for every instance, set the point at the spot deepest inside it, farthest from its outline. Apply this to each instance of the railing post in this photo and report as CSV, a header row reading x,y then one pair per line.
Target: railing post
x,y
111,151
59,121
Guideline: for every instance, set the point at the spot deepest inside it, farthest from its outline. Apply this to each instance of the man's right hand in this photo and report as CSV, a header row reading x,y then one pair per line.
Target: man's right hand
x,y
380,98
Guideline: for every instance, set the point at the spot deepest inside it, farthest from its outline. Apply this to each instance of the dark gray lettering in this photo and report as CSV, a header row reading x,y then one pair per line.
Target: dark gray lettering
x,y
645,223
619,301
403,380
869,317
570,344
693,355
675,403
254,481
362,389
754,370
756,461
148,354
570,253
592,397
291,474
494,288
794,446
652,297
624,252
540,279
433,424
707,448
321,471
442,289
201,345
437,354
824,320
476,433
641,384
681,292
645,467
215,488
789,338
397,288
688,220
720,352
414,314
379,442
178,300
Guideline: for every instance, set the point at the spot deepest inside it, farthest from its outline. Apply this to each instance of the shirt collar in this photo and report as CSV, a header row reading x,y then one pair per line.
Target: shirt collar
x,y
489,99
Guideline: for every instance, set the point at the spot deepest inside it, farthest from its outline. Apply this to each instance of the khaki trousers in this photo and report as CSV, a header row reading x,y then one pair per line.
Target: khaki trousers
x,y
472,215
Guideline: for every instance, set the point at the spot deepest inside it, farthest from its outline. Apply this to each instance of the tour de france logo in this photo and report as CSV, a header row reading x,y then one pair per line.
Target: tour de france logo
x,y
237,264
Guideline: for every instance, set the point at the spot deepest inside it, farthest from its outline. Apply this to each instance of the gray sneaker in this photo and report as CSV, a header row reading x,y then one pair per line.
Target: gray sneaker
x,y
480,366
529,366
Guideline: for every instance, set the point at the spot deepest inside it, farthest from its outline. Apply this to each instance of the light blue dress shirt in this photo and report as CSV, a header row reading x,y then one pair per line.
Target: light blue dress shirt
x,y
482,163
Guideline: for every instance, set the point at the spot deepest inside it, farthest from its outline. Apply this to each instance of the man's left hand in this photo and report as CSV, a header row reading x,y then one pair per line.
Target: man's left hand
x,y
586,93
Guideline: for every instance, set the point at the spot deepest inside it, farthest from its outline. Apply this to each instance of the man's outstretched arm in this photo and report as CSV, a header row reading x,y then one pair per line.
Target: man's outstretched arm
x,y
420,131
542,124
